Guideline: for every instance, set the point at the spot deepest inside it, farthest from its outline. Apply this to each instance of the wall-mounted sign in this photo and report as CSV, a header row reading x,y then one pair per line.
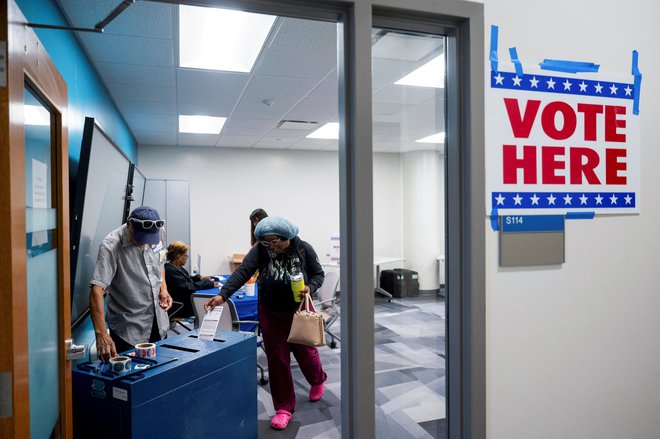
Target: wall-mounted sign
x,y
561,142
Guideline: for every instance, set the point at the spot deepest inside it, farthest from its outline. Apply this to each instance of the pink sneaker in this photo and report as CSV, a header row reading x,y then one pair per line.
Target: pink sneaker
x,y
316,392
281,419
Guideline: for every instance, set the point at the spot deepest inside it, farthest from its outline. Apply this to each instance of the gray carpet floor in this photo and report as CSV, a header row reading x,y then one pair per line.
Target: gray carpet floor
x,y
410,378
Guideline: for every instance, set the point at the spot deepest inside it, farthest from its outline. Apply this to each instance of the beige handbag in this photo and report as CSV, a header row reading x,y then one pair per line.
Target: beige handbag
x,y
307,327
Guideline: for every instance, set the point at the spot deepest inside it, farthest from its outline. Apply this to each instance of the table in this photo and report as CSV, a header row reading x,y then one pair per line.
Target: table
x,y
246,307
378,261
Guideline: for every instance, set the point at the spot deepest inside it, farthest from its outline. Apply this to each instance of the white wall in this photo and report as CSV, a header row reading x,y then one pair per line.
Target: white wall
x,y
574,351
227,184
424,214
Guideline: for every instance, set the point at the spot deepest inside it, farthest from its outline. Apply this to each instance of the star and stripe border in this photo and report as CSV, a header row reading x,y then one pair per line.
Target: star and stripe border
x,y
562,85
563,200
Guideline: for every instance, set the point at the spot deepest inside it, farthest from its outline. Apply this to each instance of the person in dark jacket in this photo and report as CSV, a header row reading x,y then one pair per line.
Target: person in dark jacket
x,y
256,216
280,252
180,284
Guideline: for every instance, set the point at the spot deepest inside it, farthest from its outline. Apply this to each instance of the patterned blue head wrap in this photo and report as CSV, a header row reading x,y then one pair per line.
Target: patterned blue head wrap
x,y
276,225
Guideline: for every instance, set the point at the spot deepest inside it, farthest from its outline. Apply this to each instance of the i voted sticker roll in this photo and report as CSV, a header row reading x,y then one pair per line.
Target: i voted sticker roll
x,y
120,364
145,350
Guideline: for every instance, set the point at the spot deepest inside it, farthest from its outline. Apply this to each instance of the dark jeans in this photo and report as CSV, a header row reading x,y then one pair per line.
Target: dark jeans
x,y
122,346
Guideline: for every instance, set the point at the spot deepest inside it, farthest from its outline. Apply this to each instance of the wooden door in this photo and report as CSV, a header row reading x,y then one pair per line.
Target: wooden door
x,y
34,264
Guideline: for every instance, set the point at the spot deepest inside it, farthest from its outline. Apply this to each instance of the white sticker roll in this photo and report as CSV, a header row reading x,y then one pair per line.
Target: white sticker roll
x,y
120,364
145,350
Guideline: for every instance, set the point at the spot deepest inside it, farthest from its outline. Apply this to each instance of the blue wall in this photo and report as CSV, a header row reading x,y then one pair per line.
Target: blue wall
x,y
88,96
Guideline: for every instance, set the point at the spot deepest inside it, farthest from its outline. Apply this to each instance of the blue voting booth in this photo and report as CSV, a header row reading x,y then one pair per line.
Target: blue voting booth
x,y
192,389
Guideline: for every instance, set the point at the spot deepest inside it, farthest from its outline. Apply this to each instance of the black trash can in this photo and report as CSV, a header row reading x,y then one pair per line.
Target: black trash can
x,y
400,282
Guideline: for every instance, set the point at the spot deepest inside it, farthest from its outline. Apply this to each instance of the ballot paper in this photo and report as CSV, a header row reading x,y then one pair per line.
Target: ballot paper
x,y
210,323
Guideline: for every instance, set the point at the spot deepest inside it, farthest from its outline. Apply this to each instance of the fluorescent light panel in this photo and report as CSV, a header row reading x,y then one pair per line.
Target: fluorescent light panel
x,y
431,74
327,131
36,115
221,39
433,138
201,124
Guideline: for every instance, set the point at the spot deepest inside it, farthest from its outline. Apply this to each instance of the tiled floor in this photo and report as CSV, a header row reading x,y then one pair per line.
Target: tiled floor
x,y
410,378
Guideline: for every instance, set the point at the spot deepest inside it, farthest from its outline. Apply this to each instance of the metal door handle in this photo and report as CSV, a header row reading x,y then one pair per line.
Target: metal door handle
x,y
74,351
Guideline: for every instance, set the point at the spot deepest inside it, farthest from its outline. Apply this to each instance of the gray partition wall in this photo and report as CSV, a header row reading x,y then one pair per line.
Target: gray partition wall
x,y
171,198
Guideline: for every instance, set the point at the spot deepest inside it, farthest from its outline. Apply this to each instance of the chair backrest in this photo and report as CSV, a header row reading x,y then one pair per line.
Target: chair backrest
x,y
226,319
329,287
176,307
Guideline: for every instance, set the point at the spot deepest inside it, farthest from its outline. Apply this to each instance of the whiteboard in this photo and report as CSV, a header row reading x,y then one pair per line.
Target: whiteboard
x,y
98,208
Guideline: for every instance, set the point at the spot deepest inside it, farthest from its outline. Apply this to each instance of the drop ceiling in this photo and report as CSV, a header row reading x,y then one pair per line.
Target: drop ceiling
x,y
293,79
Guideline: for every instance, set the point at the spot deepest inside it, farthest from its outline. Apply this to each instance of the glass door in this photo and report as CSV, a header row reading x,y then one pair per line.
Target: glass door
x,y
35,269
44,347
408,83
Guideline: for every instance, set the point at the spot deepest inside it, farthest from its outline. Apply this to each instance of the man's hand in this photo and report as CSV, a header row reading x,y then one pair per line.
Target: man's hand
x,y
105,347
213,302
205,278
165,300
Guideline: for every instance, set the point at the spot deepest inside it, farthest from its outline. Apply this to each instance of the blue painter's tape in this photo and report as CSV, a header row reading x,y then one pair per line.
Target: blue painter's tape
x,y
568,66
637,83
516,62
532,223
494,220
494,31
580,215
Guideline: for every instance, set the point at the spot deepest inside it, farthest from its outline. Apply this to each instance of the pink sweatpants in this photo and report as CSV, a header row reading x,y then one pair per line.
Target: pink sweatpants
x,y
275,327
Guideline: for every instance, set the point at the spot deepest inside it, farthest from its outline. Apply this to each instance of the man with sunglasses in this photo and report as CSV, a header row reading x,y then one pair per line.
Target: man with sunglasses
x,y
130,269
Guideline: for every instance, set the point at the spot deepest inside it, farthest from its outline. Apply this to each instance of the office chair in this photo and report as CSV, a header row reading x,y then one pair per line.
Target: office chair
x,y
174,319
229,321
328,303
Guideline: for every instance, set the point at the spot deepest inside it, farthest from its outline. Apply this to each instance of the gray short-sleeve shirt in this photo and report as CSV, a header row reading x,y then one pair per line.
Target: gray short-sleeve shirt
x,y
131,276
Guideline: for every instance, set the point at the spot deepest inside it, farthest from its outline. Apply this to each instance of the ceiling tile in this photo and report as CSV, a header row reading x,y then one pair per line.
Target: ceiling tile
x,y
122,92
237,141
142,106
150,121
188,139
132,74
129,50
162,138
147,19
305,36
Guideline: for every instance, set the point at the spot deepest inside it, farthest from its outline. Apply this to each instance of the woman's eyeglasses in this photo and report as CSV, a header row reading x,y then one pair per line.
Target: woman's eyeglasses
x,y
148,224
271,243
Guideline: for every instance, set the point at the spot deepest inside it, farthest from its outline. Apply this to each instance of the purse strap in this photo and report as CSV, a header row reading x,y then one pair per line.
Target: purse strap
x,y
307,304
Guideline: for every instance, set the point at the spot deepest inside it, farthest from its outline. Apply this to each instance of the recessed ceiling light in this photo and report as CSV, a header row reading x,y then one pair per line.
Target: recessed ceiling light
x,y
201,124
36,115
328,131
221,39
431,74
433,138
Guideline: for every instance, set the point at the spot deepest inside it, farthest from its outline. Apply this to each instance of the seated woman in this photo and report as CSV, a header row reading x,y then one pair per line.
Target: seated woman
x,y
179,283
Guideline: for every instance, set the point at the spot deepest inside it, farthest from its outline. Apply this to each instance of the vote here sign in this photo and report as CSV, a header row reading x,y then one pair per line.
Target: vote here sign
x,y
561,143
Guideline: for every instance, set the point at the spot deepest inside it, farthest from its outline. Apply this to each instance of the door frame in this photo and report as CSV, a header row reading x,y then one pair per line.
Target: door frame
x,y
465,185
27,60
